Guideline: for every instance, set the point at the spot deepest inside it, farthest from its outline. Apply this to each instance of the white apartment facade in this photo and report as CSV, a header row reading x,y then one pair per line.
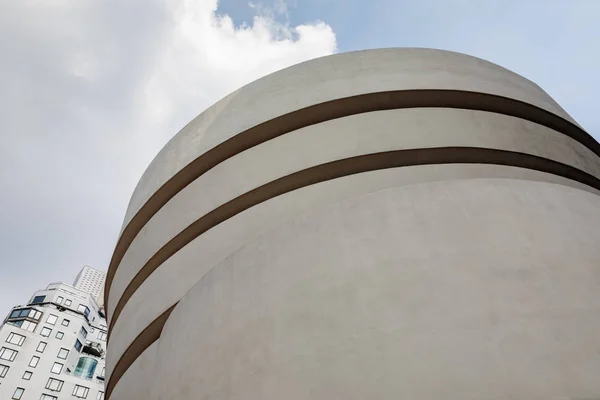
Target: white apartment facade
x,y
53,348
91,280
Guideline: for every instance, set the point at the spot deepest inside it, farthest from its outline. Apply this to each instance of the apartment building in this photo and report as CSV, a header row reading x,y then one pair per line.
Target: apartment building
x,y
53,347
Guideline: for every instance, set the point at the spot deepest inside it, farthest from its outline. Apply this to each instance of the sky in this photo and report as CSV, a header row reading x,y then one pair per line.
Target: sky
x,y
91,90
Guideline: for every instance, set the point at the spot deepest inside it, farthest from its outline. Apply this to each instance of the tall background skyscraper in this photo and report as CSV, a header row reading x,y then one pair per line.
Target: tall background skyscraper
x,y
54,346
91,280
385,224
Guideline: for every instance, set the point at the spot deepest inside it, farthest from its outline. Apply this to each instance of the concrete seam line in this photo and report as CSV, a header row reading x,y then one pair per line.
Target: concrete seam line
x,y
322,173
309,176
338,108
149,335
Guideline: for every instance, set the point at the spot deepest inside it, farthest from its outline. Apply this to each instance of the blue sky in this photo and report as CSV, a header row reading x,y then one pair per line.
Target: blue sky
x,y
555,43
91,90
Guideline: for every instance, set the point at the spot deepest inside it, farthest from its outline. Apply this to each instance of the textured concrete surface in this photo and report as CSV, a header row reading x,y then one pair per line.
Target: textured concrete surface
x,y
330,78
469,289
192,262
341,138
138,381
437,279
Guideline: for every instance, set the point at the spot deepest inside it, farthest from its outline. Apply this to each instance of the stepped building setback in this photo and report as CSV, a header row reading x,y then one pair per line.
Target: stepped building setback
x,y
54,347
383,224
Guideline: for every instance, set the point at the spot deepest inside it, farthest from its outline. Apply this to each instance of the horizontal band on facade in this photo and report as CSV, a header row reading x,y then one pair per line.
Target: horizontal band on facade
x,y
317,174
149,335
327,111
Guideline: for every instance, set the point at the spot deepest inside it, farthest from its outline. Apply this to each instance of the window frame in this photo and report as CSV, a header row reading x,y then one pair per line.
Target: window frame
x,y
43,348
48,397
77,341
38,299
26,325
62,334
4,370
59,300
52,380
68,302
33,364
54,319
13,353
20,339
65,320
28,376
86,391
60,351
44,329
20,395
60,369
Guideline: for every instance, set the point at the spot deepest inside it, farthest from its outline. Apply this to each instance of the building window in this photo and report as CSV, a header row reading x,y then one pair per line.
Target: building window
x,y
63,353
57,368
80,391
8,354
28,326
48,397
3,370
68,302
59,335
78,345
101,335
52,319
34,361
65,322
100,395
103,371
41,347
59,300
83,309
23,324
38,299
54,384
15,338
46,331
18,393
26,312
27,375
83,332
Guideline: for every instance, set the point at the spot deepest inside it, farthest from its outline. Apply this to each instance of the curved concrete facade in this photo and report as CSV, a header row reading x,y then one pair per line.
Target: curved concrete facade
x,y
375,224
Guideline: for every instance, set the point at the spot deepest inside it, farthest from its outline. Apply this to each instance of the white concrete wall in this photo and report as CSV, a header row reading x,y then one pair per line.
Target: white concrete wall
x,y
466,289
337,139
330,78
263,298
138,381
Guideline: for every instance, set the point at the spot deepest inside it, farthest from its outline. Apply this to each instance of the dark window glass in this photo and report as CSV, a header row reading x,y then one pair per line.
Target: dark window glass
x,y
38,299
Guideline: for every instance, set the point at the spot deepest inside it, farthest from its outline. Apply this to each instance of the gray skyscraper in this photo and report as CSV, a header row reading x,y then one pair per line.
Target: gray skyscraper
x,y
91,280
384,224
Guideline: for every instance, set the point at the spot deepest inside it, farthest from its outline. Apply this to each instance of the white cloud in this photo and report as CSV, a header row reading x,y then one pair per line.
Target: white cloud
x,y
91,91
208,56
